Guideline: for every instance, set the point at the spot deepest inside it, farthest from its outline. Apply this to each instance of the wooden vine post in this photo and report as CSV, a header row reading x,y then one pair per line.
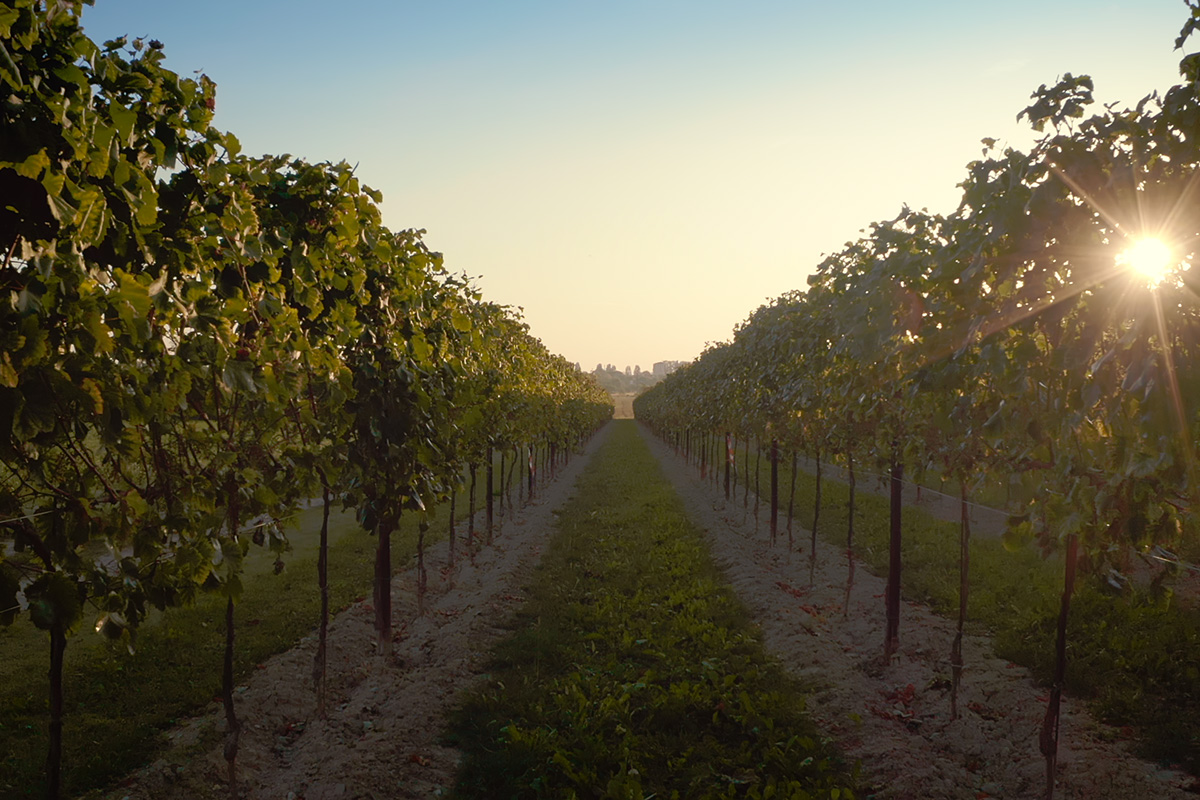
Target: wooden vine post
x,y
892,593
491,494
964,590
812,545
58,649
792,499
1048,739
774,490
321,657
850,507
381,591
233,726
728,462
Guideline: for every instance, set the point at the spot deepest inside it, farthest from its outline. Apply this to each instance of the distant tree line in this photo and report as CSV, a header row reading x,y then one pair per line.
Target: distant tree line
x,y
632,379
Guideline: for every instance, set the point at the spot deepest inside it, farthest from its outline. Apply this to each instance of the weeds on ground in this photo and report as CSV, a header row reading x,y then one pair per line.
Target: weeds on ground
x,y
632,671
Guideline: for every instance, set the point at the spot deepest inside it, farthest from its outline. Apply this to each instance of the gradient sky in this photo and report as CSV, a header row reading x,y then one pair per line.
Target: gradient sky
x,y
639,176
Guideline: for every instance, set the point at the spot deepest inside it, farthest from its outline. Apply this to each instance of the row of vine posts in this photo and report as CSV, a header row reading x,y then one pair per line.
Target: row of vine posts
x,y
194,341
1012,337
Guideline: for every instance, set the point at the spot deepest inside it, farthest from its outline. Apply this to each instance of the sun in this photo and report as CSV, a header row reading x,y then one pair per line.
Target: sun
x,y
1150,258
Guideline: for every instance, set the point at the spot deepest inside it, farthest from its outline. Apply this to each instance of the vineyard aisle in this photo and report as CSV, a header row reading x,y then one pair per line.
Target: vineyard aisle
x,y
897,719
385,719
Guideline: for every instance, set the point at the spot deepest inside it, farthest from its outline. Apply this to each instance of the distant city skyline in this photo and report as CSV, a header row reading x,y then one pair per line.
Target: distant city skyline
x,y
639,177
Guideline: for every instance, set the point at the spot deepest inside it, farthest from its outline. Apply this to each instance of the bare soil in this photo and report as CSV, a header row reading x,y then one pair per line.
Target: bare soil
x,y
381,736
623,405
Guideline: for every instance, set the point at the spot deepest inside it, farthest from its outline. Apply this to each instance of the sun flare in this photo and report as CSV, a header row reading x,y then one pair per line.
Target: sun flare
x,y
1151,258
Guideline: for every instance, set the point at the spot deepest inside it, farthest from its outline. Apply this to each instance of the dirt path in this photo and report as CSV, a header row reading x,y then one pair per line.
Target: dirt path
x,y
380,739
897,718
623,405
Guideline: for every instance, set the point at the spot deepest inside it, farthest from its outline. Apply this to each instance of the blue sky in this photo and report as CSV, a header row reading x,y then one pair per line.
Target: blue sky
x,y
640,176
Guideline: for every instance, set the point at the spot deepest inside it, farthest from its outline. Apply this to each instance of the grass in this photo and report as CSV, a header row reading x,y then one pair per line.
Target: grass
x,y
1136,655
119,706
632,671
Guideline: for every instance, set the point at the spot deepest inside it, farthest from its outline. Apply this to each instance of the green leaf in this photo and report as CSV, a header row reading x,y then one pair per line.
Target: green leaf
x,y
8,15
8,374
461,321
421,348
90,216
131,292
92,389
123,120
35,165
7,65
60,206
239,375
136,504
232,587
93,323
264,496
54,600
102,150
1017,536
71,74
147,211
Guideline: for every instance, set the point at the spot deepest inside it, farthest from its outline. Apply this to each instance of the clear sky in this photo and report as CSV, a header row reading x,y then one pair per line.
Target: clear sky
x,y
640,175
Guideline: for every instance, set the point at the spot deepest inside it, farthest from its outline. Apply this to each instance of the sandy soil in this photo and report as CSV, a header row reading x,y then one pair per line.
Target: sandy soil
x,y
380,739
896,718
623,405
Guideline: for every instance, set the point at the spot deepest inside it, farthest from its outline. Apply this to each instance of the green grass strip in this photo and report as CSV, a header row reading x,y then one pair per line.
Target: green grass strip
x,y
633,671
